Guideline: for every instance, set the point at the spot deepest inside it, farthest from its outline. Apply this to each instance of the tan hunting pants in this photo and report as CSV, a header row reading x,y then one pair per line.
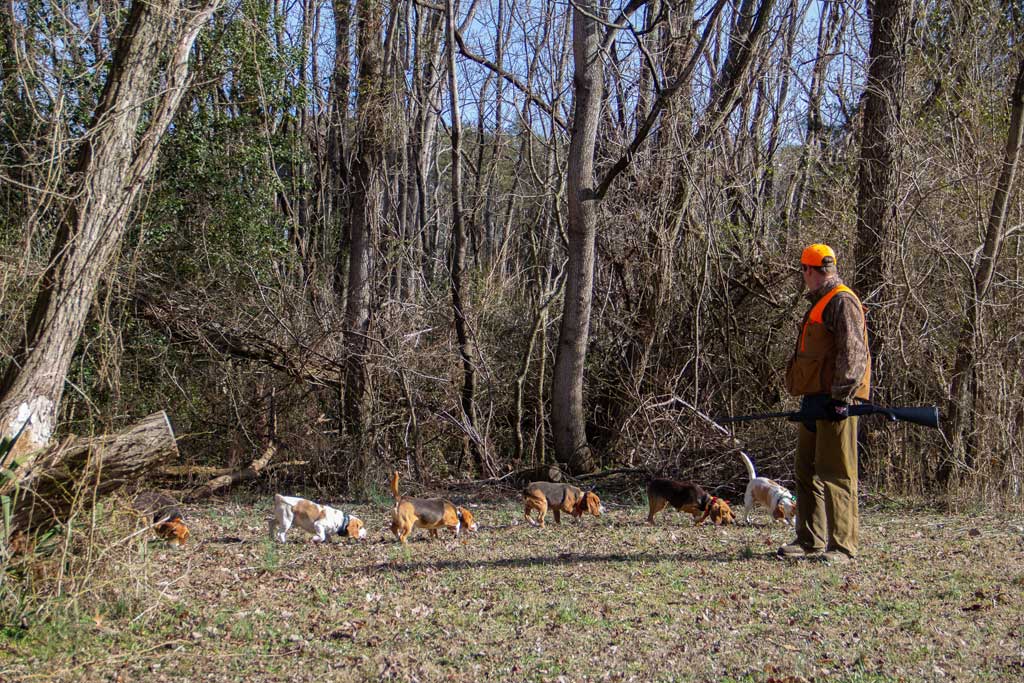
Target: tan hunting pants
x,y
826,486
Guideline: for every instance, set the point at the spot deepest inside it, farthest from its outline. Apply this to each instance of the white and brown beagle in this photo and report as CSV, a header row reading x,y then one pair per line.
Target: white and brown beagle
x,y
769,494
322,521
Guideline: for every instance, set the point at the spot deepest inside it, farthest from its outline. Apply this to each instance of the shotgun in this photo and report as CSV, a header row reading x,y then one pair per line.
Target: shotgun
x,y
926,416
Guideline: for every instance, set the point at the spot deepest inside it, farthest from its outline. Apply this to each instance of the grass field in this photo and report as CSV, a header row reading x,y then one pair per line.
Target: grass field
x,y
933,597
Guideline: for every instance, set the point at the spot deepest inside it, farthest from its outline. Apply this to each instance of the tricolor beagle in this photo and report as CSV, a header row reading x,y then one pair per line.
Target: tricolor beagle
x,y
162,511
688,497
542,495
426,513
320,520
768,494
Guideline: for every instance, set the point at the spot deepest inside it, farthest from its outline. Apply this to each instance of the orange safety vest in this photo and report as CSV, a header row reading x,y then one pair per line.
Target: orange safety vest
x,y
812,368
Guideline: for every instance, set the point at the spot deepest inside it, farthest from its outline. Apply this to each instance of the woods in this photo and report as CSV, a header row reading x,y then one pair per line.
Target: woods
x,y
467,238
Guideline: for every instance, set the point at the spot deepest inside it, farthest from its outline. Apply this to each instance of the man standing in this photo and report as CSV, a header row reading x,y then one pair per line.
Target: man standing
x,y
830,367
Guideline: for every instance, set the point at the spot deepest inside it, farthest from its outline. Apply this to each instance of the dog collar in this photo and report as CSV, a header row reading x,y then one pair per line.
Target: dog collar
x,y
345,517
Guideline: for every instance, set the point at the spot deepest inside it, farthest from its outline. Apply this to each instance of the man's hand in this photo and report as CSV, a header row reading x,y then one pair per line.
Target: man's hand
x,y
836,410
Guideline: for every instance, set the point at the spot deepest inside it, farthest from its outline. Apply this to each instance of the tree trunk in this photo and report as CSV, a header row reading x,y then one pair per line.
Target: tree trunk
x,y
427,95
336,139
114,161
567,416
877,220
76,472
366,198
875,250
460,305
961,406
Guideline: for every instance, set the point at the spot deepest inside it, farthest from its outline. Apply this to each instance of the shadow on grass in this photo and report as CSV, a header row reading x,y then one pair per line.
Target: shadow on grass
x,y
562,559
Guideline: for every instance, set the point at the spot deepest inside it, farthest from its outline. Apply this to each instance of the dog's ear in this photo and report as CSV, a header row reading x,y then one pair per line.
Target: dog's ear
x,y
716,513
721,513
353,528
593,503
779,512
580,505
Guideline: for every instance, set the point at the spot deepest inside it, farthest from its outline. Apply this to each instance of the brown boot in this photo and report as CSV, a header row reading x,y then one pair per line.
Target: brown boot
x,y
836,557
796,551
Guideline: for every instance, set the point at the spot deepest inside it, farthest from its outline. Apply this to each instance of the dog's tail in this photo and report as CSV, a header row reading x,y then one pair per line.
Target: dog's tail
x,y
272,519
750,465
394,486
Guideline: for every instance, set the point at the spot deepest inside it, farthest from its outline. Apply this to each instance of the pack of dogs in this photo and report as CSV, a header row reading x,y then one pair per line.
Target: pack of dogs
x,y
323,522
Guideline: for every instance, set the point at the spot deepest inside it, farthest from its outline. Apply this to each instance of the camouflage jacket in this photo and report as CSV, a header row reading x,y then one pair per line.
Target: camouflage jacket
x,y
843,317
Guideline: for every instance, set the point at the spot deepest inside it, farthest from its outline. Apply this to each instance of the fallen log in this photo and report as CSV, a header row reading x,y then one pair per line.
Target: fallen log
x,y
51,483
183,471
555,472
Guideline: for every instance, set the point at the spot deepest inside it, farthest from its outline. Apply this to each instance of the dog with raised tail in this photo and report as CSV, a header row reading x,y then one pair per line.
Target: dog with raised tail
x,y
764,492
426,513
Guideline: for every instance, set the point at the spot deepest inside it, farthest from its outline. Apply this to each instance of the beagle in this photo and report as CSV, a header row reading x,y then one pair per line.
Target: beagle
x,y
686,496
319,520
162,511
541,495
768,494
426,513
173,531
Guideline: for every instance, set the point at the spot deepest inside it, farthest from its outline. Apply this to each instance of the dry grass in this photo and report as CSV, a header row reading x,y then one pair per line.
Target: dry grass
x,y
934,597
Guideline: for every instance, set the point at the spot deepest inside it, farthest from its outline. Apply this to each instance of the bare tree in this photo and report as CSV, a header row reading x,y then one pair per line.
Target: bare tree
x,y
366,196
337,143
567,418
962,404
877,219
460,303
115,159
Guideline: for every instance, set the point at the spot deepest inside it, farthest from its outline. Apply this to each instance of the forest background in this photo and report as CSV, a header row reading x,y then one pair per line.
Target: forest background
x,y
331,239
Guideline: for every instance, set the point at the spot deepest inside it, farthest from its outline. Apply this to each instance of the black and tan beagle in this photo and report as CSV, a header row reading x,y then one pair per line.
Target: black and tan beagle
x,y
686,496
542,495
426,513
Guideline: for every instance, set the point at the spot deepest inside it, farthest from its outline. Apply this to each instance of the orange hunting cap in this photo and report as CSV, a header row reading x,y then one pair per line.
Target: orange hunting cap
x,y
818,255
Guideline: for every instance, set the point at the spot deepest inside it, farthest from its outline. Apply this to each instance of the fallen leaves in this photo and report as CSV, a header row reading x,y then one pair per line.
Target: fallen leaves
x,y
583,602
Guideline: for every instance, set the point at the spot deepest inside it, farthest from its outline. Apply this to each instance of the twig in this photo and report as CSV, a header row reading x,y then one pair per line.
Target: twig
x,y
731,440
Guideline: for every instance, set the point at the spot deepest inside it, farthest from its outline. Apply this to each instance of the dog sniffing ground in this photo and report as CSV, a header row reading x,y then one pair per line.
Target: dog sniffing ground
x,y
934,597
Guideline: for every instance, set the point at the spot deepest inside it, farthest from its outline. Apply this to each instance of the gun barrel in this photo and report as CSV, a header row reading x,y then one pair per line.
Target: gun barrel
x,y
926,416
759,416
